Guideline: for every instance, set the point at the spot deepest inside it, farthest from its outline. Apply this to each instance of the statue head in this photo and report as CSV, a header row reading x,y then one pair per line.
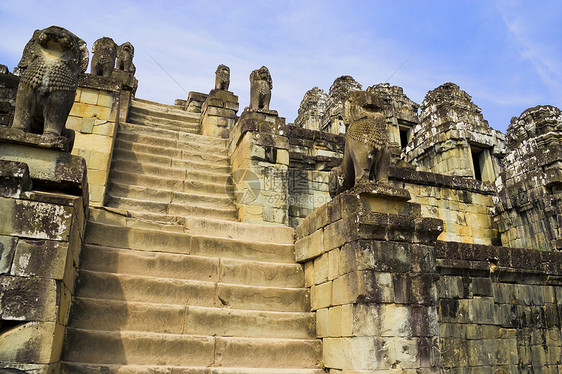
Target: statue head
x,y
361,104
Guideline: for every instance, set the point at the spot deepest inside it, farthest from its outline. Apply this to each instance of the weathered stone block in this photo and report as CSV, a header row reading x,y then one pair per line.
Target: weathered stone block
x,y
35,220
32,342
354,353
7,250
321,268
28,299
334,321
49,168
321,296
92,111
339,233
482,310
14,178
454,352
310,247
89,96
40,258
322,322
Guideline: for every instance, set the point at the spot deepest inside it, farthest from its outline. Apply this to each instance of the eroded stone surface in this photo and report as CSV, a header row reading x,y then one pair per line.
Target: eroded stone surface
x,y
453,138
529,208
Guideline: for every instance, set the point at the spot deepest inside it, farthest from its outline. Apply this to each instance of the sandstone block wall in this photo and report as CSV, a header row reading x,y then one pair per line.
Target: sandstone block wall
x,y
500,309
40,239
312,154
387,296
218,113
94,118
259,160
371,283
464,204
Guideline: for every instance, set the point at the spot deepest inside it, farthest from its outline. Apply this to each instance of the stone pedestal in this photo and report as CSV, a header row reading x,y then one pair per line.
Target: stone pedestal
x,y
259,158
218,113
370,266
43,205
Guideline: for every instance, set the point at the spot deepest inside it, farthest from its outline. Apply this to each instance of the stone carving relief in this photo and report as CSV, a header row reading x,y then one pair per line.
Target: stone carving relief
x,y
51,63
222,80
366,154
260,89
125,54
103,60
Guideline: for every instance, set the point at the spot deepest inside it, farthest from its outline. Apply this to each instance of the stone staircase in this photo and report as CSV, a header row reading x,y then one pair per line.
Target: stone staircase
x,y
169,282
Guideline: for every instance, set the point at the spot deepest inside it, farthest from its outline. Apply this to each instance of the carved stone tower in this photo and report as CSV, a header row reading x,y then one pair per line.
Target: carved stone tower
x,y
453,138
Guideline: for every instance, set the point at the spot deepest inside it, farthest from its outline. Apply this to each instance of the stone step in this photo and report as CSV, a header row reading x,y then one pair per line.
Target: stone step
x,y
199,245
212,269
131,288
195,226
201,161
163,161
184,141
76,368
158,195
109,315
165,112
226,212
171,172
154,105
172,184
164,123
124,217
163,130
176,154
139,348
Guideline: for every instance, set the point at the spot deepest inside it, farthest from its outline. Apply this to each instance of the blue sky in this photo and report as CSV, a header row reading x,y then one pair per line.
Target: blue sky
x,y
506,54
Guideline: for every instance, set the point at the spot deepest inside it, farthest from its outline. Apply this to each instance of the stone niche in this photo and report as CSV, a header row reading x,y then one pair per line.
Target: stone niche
x,y
529,209
453,138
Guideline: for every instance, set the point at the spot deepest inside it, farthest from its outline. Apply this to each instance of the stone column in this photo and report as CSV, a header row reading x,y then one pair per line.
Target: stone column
x,y
40,239
259,159
218,113
370,266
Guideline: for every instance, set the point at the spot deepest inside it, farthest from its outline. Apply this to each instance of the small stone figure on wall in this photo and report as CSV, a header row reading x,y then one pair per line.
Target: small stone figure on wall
x,y
222,80
51,63
125,54
103,60
366,154
260,89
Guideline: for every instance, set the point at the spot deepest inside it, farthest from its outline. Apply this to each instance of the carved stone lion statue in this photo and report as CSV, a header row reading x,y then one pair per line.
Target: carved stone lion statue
x,y
260,89
222,80
103,60
51,63
366,154
125,54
